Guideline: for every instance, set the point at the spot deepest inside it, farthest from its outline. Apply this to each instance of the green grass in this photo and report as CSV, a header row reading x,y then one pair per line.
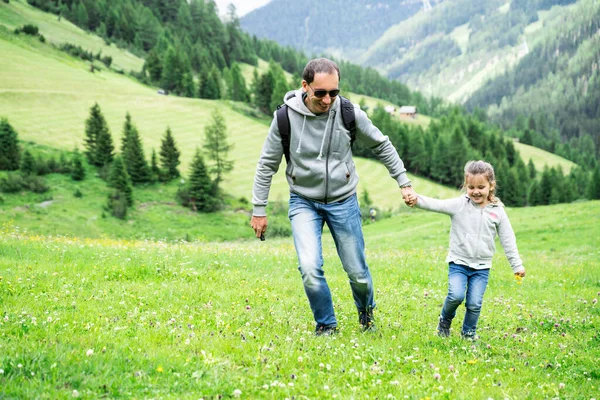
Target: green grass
x,y
142,319
18,13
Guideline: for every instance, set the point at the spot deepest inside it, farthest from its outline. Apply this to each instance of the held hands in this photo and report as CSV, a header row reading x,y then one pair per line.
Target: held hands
x,y
259,224
409,196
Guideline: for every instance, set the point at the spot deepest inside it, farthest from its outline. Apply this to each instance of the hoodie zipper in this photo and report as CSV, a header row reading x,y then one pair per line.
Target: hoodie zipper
x,y
327,158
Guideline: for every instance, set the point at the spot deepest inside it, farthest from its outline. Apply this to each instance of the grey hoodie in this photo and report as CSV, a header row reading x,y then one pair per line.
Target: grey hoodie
x,y
321,166
473,230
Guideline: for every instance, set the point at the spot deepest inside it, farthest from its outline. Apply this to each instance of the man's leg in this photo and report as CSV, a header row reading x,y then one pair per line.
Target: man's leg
x,y
307,227
345,224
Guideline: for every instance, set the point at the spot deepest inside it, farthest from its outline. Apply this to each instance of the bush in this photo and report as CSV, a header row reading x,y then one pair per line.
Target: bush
x,y
36,184
117,204
12,183
15,182
78,193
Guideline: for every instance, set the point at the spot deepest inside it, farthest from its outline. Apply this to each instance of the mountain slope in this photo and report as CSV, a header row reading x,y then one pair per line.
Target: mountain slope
x,y
341,27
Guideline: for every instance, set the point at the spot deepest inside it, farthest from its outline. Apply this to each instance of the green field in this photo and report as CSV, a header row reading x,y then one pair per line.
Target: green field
x,y
96,318
542,158
18,13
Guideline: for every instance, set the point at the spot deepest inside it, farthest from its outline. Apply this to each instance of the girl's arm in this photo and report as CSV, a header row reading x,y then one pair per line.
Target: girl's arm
x,y
509,243
449,206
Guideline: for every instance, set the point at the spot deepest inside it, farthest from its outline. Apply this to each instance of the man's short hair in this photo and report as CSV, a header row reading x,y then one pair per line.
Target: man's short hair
x,y
319,66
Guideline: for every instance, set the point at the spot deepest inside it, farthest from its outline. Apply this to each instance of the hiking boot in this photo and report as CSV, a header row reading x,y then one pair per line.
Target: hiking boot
x,y
443,328
366,320
326,330
470,335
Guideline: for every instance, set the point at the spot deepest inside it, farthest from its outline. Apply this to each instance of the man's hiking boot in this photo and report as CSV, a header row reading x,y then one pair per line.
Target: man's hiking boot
x,y
443,328
326,330
366,320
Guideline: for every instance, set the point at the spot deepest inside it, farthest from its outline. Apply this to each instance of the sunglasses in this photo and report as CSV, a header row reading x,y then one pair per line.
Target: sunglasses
x,y
320,93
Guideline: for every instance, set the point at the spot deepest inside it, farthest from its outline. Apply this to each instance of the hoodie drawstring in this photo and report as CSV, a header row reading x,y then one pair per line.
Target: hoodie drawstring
x,y
324,136
301,136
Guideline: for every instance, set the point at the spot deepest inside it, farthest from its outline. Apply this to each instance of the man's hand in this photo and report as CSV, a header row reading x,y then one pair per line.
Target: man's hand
x,y
409,196
259,224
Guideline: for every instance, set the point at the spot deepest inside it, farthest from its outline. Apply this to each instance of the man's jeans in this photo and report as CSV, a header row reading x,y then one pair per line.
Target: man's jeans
x,y
344,221
463,279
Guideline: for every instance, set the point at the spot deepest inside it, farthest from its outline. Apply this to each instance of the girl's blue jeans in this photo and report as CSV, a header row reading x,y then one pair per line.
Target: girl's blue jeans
x,y
465,283
344,221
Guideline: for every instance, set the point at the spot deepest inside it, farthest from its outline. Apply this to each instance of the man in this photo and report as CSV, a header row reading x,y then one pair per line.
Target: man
x,y
322,181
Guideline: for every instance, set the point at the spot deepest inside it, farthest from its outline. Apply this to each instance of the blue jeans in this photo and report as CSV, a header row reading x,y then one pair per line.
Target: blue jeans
x,y
344,221
469,283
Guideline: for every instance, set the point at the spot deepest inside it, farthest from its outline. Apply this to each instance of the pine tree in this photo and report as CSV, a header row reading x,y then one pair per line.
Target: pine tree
x,y
154,169
593,192
133,154
10,156
118,179
279,90
28,164
104,149
153,66
216,147
239,91
201,190
78,171
531,169
98,142
169,156
210,84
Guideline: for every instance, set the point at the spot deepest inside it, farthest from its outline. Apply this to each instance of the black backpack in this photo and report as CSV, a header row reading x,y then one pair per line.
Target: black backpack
x,y
283,122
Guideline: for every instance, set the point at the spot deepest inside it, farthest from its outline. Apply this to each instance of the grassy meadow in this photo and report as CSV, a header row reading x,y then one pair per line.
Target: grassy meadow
x,y
91,318
174,304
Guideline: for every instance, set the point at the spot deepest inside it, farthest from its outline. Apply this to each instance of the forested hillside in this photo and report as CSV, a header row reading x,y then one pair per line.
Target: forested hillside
x,y
556,86
344,28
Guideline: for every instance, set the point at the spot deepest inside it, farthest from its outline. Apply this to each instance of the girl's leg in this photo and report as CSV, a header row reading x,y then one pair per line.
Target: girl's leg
x,y
457,283
476,286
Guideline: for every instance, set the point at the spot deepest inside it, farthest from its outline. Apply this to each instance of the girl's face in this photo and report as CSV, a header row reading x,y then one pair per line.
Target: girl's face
x,y
478,189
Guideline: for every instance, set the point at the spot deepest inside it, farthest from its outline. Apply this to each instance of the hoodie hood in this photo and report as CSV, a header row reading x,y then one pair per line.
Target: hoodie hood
x,y
294,100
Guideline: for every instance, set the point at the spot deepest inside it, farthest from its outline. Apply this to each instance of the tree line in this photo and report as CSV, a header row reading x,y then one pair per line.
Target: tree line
x,y
190,52
126,169
440,152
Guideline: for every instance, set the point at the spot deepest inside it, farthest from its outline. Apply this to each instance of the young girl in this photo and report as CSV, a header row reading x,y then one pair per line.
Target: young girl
x,y
475,220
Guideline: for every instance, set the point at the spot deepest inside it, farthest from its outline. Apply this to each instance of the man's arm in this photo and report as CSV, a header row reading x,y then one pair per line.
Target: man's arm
x,y
267,166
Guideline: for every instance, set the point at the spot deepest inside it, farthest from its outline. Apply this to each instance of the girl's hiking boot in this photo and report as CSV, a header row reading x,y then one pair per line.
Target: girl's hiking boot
x,y
366,320
443,328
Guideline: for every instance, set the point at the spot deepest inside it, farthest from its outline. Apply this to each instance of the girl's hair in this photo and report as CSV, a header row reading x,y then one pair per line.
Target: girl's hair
x,y
482,168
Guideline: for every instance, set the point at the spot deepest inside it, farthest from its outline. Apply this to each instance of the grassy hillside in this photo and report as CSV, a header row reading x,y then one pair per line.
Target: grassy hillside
x,y
58,31
136,319
542,158
46,95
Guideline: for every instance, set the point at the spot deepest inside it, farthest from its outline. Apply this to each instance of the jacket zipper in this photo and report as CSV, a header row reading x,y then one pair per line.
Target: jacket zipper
x,y
479,232
327,159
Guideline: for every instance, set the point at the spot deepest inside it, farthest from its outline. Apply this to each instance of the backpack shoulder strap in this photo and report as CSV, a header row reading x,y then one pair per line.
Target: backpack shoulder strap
x,y
349,118
283,122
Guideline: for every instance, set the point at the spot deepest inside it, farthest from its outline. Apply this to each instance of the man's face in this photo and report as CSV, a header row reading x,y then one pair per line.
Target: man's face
x,y
322,82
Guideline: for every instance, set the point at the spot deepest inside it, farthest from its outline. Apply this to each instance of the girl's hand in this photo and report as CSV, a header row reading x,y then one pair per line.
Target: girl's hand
x,y
520,274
